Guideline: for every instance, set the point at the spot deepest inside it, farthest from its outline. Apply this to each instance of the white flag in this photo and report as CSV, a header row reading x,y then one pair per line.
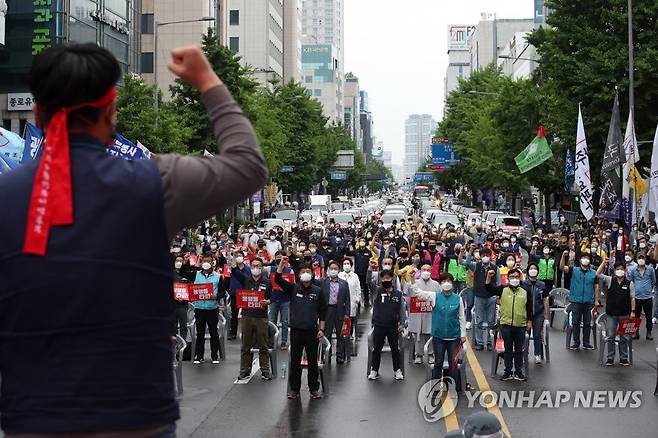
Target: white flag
x,y
207,154
583,177
632,155
653,185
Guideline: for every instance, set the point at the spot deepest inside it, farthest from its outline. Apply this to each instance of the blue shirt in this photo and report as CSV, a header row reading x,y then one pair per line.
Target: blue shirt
x,y
644,282
212,278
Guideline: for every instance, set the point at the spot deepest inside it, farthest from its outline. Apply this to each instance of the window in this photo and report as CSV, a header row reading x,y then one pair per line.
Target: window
x,y
308,79
234,44
147,24
147,62
234,17
317,92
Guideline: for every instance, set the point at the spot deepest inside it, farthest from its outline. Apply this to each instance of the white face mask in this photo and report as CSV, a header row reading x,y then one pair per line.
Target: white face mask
x,y
313,250
547,251
239,260
514,282
213,246
333,273
510,263
628,258
272,238
301,248
643,245
305,277
584,262
532,272
178,265
641,262
347,268
485,260
425,275
505,245
620,273
362,244
513,239
206,266
256,272
446,286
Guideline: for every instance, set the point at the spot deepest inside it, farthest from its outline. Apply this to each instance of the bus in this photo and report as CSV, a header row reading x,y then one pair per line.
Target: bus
x,y
422,191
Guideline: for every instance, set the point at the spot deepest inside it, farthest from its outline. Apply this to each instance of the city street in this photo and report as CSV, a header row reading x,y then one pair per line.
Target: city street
x,y
214,406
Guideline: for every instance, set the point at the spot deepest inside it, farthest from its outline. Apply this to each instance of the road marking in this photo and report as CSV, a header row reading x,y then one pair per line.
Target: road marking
x,y
451,421
483,383
255,366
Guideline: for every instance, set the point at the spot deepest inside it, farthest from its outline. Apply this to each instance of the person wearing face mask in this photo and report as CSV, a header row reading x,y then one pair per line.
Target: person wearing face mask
x,y
308,309
238,260
629,259
375,275
448,323
619,304
401,239
206,312
315,256
183,273
403,260
388,321
484,301
516,312
348,275
420,324
362,256
583,296
539,293
643,277
510,263
250,238
280,306
546,266
254,325
457,270
337,295
272,244
432,257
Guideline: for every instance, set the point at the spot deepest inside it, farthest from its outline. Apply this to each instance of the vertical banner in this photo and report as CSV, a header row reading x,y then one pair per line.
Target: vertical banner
x,y
583,176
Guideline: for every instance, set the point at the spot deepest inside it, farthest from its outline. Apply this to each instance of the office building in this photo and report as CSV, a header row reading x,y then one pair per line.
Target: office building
x,y
490,36
541,11
418,130
367,125
321,76
459,60
517,59
292,40
351,110
30,27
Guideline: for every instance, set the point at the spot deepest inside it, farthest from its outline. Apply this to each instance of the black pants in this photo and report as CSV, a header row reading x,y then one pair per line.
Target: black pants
x,y
567,279
233,326
208,318
645,306
301,340
378,335
364,287
335,322
514,338
180,321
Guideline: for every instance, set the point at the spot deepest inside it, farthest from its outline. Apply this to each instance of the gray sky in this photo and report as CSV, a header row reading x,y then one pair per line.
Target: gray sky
x,y
398,50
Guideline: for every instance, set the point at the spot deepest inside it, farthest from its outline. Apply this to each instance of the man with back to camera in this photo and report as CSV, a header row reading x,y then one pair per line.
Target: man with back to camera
x,y
74,213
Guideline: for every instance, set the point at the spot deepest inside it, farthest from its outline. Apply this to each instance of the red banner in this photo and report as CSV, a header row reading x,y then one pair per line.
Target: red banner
x,y
290,278
416,306
250,299
181,291
629,326
318,272
226,272
193,260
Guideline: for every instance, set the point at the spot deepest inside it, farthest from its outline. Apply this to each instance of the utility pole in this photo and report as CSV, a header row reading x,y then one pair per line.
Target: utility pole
x,y
631,61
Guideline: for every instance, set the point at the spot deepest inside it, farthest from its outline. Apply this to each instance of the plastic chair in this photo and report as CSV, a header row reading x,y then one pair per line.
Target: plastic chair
x,y
602,329
385,349
272,350
547,349
560,298
462,385
569,327
499,350
179,348
410,340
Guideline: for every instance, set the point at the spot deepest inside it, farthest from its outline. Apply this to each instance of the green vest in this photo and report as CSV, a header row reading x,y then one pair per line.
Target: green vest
x,y
546,269
512,307
458,271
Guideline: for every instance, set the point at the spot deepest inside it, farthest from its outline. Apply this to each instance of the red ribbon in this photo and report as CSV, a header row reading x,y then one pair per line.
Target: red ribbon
x,y
51,202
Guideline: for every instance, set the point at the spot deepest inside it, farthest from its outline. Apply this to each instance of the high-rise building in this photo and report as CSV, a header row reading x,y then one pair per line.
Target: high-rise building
x,y
323,24
351,103
321,76
255,31
459,60
518,57
161,20
418,130
490,36
292,40
367,125
31,26
541,11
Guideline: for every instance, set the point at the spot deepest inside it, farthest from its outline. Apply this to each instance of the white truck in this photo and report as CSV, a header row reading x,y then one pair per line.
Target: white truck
x,y
320,202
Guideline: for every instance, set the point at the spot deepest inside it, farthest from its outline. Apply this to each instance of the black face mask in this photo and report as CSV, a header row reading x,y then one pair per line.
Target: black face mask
x,y
404,254
387,284
432,247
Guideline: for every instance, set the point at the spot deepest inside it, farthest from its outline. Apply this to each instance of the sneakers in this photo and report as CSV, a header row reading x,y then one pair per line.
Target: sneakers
x,y
538,360
654,320
265,375
649,337
284,346
244,376
430,360
198,360
215,361
292,395
374,375
418,360
624,363
399,375
315,395
479,347
507,376
520,376
609,362
588,347
468,325
574,347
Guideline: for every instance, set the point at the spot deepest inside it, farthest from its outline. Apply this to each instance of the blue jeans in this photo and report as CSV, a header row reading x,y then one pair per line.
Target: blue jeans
x,y
485,310
581,312
441,346
612,322
470,302
280,308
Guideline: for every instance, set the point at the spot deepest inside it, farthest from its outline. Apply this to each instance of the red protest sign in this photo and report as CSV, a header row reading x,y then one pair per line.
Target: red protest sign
x,y
250,299
201,292
629,326
181,291
500,344
318,272
417,306
290,278
193,260
347,328
226,272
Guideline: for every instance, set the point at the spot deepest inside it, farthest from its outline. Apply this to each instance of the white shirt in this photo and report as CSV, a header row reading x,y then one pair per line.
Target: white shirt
x,y
355,289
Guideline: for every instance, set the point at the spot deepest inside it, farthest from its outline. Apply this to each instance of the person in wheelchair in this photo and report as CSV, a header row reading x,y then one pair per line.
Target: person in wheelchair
x,y
448,323
516,311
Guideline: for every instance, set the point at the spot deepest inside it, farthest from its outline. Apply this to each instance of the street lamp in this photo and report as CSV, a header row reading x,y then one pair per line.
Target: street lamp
x,y
155,55
484,93
517,58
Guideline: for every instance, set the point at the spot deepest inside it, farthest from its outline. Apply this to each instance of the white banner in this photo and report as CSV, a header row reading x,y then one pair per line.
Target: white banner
x,y
632,155
583,176
653,185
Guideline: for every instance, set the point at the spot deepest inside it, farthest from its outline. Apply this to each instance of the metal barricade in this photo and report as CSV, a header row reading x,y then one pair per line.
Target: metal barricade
x,y
386,348
272,350
602,331
547,349
461,382
179,347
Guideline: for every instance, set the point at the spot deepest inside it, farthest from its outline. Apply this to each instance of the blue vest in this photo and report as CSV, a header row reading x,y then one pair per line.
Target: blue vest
x,y
213,279
582,286
85,332
445,317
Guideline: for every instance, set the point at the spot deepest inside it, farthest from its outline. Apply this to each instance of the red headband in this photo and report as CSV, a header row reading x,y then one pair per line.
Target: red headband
x,y
51,202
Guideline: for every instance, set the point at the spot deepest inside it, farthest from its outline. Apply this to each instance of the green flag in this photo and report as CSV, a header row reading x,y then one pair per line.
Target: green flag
x,y
536,153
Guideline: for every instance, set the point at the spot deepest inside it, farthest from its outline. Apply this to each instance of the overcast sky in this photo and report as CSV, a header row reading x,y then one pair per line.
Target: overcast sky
x,y
398,50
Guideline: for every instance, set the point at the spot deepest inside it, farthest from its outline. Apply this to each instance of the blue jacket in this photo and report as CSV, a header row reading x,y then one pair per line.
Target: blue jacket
x,y
445,316
235,283
644,282
537,290
343,304
582,285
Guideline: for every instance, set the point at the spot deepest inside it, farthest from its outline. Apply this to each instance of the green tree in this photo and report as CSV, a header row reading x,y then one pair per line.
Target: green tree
x,y
375,168
136,115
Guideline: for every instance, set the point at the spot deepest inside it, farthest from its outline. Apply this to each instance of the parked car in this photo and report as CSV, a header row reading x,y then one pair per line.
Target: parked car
x,y
266,225
509,225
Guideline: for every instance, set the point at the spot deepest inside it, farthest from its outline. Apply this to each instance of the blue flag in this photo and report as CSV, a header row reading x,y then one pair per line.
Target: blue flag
x,y
33,143
569,172
126,149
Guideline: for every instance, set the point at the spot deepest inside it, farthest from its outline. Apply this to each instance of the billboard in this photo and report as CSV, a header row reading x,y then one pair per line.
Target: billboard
x,y
444,154
458,35
423,177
